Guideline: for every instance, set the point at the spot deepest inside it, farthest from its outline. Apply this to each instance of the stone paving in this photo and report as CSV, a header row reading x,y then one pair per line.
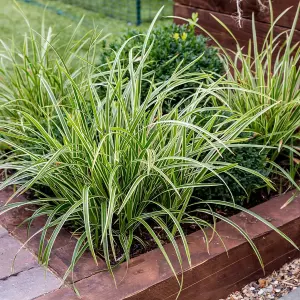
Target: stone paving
x,y
24,278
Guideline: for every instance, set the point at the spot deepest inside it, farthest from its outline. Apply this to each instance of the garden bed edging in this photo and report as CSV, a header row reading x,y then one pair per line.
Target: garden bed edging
x,y
148,277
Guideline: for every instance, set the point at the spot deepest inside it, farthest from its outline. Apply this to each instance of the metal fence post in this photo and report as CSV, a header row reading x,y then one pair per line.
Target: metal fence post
x,y
138,12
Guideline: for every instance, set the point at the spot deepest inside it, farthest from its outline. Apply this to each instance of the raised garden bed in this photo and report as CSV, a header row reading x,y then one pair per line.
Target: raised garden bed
x,y
148,276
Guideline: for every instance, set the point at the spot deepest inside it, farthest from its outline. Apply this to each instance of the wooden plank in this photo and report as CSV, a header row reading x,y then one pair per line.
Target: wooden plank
x,y
212,276
278,7
222,6
243,35
248,7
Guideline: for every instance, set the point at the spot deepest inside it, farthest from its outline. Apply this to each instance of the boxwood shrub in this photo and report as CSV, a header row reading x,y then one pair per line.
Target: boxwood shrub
x,y
242,184
173,46
247,157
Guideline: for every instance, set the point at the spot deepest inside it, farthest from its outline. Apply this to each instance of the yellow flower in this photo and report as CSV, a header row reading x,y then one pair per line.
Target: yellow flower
x,y
184,36
176,36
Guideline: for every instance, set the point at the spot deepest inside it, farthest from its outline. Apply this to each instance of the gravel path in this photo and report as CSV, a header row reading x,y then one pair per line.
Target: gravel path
x,y
278,284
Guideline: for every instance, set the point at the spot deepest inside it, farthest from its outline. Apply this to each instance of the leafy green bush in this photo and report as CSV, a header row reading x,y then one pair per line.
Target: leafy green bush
x,y
241,183
173,46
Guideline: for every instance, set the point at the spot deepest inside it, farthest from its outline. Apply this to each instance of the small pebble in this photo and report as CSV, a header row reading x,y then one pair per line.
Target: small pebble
x,y
276,285
261,292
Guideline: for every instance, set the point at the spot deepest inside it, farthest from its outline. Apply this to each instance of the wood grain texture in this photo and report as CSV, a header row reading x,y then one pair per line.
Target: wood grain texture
x,y
212,276
248,7
243,35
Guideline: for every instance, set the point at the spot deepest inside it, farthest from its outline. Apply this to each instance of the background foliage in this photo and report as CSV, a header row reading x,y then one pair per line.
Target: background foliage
x,y
173,47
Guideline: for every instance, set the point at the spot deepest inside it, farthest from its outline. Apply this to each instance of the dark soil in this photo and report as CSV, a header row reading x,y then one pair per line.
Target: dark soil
x,y
257,197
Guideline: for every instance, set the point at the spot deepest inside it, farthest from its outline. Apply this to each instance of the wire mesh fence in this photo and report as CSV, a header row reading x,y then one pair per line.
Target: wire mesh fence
x,y
132,11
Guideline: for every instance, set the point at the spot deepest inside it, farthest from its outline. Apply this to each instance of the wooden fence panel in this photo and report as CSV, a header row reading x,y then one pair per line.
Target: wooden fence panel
x,y
225,10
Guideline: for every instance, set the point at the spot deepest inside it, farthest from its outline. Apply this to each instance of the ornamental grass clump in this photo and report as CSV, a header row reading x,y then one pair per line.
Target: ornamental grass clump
x,y
110,168
269,77
174,46
24,67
